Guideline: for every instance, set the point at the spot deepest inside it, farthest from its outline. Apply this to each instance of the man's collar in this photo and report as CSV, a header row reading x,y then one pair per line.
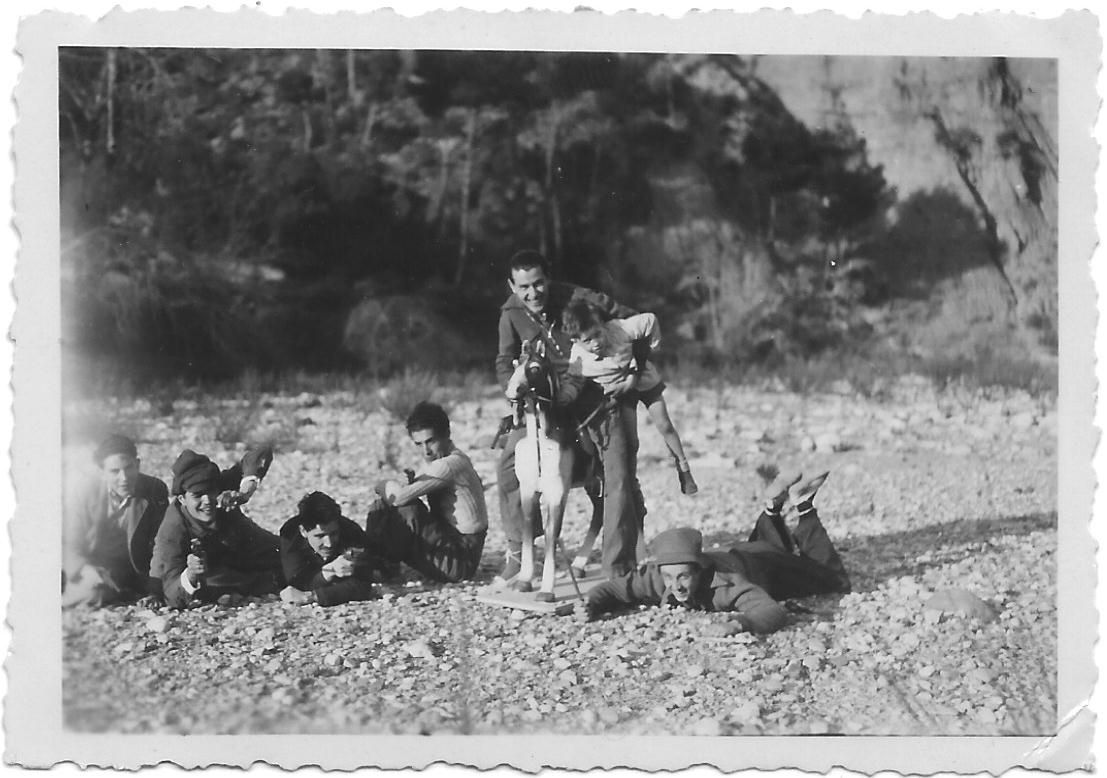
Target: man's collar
x,y
119,501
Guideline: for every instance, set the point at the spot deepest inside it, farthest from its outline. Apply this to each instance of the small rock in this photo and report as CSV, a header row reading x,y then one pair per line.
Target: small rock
x,y
708,727
419,649
961,602
333,660
608,715
818,727
979,675
746,713
158,624
828,442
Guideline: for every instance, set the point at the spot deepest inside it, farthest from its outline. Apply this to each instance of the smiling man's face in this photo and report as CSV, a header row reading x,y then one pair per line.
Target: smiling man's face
x,y
681,580
531,286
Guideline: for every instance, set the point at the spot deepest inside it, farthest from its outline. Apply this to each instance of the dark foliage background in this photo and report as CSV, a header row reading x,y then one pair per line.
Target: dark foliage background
x,y
233,210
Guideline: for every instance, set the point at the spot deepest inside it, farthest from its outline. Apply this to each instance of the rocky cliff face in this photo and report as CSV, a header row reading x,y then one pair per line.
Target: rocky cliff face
x,y
981,129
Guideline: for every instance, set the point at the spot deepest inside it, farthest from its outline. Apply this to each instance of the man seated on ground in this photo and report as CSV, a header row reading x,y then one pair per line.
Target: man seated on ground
x,y
443,538
748,580
110,524
323,555
206,546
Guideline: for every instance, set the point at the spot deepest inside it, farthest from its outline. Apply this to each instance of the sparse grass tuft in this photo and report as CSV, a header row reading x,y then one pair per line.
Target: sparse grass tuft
x,y
400,394
256,425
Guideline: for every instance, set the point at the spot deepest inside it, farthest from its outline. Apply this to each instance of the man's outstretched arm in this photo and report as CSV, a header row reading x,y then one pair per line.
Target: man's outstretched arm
x,y
638,587
752,606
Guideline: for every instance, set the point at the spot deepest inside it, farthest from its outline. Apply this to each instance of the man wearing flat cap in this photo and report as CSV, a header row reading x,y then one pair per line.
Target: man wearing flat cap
x,y
109,529
206,546
748,580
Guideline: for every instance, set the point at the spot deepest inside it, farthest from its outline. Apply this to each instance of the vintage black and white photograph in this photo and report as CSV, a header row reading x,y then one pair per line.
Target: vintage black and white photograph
x,y
558,391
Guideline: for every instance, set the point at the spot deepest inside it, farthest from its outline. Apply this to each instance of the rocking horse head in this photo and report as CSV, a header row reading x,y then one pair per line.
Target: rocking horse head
x,y
540,374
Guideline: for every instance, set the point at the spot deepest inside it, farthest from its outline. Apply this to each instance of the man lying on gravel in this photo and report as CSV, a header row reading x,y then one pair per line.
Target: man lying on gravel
x,y
207,547
443,538
748,580
323,555
110,525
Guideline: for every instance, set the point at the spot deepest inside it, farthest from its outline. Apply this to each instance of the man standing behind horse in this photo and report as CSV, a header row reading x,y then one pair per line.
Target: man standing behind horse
x,y
534,311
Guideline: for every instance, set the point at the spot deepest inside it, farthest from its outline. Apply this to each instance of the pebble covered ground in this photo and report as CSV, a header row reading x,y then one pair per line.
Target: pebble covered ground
x,y
940,502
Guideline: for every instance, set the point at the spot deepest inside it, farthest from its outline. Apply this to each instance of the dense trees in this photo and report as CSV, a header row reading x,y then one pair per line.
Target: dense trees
x,y
233,207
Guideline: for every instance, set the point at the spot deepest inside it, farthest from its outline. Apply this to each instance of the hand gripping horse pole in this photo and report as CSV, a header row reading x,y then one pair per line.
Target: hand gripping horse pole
x,y
543,465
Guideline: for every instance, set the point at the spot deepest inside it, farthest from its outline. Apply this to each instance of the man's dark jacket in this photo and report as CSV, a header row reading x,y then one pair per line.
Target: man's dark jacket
x,y
303,568
85,531
231,540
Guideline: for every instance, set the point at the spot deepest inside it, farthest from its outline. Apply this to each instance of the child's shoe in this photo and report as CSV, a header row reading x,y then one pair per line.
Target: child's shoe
x,y
687,482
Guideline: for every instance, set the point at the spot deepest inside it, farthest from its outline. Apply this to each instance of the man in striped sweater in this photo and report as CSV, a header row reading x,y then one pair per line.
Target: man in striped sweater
x,y
443,537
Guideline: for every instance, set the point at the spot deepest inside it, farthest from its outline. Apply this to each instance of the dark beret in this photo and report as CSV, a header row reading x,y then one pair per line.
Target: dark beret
x,y
195,473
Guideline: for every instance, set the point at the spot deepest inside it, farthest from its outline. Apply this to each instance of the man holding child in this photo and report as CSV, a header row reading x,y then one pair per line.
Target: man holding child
x,y
533,310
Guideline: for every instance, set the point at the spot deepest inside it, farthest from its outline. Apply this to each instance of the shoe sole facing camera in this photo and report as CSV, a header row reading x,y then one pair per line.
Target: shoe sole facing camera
x,y
777,492
806,491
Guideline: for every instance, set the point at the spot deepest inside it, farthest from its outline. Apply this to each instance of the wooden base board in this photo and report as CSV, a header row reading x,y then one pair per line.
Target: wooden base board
x,y
565,595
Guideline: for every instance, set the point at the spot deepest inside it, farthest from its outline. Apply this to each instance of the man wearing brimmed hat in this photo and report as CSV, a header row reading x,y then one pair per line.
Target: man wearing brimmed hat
x,y
110,523
746,581
206,547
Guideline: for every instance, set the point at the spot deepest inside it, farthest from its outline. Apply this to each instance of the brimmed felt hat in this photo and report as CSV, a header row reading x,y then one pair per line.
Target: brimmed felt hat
x,y
195,473
682,545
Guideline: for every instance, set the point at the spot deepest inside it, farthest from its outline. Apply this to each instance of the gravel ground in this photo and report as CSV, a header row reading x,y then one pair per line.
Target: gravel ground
x,y
928,492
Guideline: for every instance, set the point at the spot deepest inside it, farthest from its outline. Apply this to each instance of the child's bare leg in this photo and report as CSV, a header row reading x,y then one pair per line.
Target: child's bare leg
x,y
659,413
